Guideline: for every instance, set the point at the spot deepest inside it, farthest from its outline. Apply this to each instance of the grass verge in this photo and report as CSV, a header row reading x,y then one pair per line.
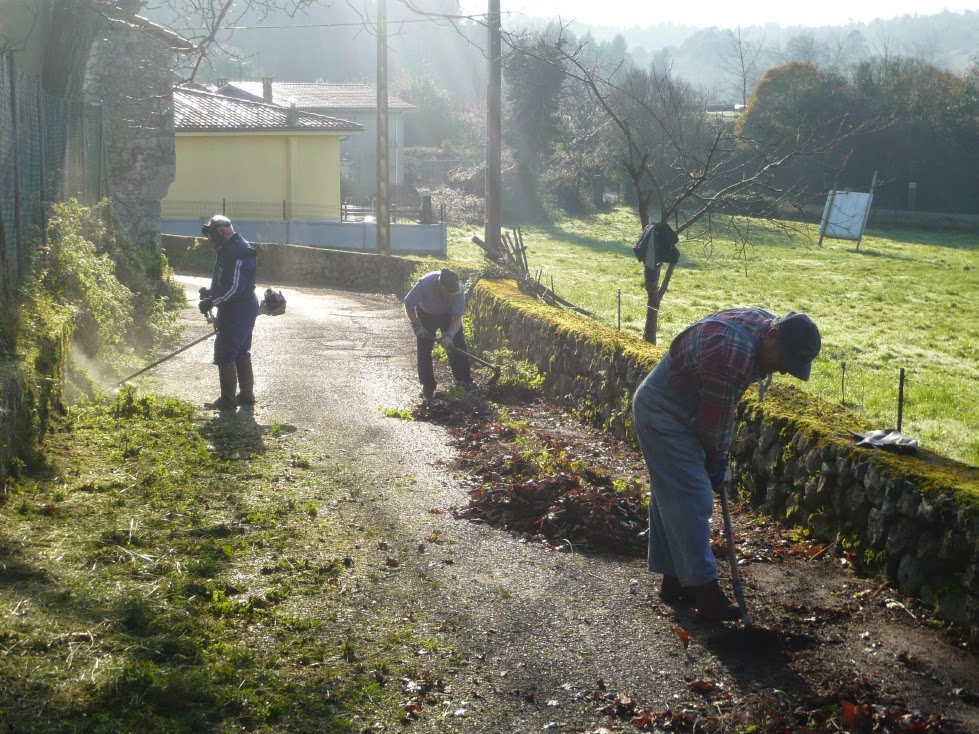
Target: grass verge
x,y
160,573
903,299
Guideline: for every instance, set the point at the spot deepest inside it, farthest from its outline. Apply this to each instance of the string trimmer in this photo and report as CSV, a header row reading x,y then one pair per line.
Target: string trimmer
x,y
273,304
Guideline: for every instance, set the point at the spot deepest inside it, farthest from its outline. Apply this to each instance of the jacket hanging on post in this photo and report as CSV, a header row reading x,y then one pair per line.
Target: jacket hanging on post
x,y
664,241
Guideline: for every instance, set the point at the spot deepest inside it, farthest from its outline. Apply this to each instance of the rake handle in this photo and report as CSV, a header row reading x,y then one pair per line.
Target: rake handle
x,y
732,557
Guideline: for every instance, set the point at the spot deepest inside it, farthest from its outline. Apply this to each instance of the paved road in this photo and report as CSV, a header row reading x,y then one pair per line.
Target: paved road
x,y
525,619
524,633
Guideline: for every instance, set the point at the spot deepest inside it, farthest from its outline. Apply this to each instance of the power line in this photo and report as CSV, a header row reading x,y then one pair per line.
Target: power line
x,y
357,24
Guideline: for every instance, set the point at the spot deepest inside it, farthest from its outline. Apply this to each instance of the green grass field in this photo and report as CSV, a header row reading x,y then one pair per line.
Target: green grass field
x,y
903,299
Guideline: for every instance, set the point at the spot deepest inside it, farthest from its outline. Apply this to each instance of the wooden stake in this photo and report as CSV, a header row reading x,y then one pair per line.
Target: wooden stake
x,y
900,402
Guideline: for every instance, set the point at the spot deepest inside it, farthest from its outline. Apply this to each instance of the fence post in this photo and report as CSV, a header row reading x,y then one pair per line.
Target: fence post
x,y
224,207
900,401
44,168
618,323
104,183
843,383
18,223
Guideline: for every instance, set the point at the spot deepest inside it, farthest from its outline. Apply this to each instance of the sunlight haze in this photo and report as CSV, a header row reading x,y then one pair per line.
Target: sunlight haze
x,y
627,13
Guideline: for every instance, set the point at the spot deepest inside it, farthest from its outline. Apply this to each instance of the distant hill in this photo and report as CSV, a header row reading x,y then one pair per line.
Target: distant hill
x,y
947,40
331,43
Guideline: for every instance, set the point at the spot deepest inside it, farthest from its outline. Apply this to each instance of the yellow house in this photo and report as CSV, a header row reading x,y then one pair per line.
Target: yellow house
x,y
274,171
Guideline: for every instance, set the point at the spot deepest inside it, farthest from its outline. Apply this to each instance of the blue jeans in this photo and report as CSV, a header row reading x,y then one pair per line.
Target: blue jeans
x,y
457,361
681,500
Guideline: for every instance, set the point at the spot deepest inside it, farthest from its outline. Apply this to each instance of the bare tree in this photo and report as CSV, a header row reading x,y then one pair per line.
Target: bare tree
x,y
689,163
845,47
804,47
741,62
210,24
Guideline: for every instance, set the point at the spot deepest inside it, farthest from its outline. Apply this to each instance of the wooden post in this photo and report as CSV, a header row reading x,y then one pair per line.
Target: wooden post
x,y
494,128
827,217
383,193
843,383
866,213
900,401
20,246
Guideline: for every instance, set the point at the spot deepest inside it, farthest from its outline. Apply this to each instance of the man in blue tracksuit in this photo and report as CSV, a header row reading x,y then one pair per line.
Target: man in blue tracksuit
x,y
436,302
232,291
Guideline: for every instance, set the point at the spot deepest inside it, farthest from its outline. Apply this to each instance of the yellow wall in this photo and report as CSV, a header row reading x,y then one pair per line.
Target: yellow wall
x,y
254,173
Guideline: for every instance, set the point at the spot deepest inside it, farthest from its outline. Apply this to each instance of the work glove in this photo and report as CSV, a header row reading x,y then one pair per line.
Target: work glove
x,y
205,305
720,474
204,293
447,343
420,331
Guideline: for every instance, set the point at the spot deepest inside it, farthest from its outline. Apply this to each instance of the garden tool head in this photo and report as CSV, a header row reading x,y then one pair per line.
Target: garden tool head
x,y
495,367
273,304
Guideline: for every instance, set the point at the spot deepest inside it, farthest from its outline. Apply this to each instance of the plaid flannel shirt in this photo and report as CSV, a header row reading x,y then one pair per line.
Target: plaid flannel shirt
x,y
712,365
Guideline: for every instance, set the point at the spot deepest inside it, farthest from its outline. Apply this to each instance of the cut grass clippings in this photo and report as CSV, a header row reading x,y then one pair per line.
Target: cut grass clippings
x,y
902,299
158,575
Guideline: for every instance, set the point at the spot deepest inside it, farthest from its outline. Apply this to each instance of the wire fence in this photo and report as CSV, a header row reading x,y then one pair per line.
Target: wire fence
x,y
285,211
890,396
51,149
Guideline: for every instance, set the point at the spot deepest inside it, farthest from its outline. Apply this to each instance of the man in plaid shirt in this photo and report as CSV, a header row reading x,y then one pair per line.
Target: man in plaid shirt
x,y
684,417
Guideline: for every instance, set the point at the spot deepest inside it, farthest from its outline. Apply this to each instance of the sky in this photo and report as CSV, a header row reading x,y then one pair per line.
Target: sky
x,y
721,13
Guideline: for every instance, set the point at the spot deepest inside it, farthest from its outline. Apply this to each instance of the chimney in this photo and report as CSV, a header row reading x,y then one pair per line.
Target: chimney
x,y
292,114
267,89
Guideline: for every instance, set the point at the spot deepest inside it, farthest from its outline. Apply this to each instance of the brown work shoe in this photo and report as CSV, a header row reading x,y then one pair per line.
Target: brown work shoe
x,y
671,591
710,602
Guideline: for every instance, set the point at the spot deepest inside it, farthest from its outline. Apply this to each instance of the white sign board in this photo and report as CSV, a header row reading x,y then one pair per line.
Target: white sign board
x,y
845,215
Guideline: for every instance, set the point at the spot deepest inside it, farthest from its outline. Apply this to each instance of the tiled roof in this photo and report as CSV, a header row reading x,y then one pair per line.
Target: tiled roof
x,y
116,15
316,95
176,41
198,111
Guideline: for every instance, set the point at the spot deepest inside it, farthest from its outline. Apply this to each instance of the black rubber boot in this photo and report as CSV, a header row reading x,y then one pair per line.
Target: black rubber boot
x,y
246,381
671,591
228,376
710,602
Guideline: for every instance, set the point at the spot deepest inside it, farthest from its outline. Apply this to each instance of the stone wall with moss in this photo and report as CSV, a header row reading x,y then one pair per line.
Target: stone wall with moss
x,y
586,366
32,390
913,520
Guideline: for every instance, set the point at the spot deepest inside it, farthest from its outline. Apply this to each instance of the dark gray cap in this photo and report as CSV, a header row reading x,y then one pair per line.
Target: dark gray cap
x,y
799,343
216,222
449,280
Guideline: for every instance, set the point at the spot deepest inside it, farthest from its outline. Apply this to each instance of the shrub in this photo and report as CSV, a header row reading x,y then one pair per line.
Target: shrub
x,y
122,297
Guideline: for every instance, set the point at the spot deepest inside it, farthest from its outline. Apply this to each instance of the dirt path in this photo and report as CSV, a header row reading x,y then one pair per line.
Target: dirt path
x,y
531,638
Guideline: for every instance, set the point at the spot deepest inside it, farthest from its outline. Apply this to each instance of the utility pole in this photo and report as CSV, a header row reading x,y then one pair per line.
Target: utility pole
x,y
494,130
383,193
